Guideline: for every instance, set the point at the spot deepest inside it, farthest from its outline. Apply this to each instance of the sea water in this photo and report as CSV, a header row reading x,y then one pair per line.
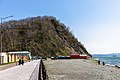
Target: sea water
x,y
111,59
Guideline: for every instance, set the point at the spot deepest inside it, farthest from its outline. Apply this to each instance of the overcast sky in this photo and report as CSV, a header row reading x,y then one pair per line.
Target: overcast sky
x,y
96,23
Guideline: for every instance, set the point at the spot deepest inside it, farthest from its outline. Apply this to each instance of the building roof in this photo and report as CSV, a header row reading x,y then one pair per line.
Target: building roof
x,y
19,52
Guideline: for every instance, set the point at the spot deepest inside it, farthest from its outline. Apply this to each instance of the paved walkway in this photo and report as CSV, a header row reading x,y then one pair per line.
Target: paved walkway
x,y
21,72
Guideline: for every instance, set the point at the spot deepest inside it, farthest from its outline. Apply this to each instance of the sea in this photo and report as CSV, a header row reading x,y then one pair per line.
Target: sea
x,y
109,59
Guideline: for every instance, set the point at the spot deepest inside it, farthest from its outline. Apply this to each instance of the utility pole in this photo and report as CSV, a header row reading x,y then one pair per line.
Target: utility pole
x,y
2,30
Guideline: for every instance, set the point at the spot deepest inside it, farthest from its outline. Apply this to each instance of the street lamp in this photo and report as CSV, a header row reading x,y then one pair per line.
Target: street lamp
x,y
2,28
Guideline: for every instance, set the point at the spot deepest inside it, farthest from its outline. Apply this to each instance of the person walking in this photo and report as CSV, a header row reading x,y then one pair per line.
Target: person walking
x,y
19,62
22,62
98,62
103,63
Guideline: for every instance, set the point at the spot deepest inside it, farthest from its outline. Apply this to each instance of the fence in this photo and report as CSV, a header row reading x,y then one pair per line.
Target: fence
x,y
39,72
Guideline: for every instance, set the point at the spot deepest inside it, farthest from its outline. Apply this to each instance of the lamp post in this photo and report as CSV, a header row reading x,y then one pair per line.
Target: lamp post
x,y
2,30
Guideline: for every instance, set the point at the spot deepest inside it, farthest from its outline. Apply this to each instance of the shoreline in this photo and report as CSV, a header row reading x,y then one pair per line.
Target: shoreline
x,y
106,64
80,69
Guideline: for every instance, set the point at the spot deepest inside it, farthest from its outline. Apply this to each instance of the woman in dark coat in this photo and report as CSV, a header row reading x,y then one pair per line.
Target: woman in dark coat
x,y
22,62
19,61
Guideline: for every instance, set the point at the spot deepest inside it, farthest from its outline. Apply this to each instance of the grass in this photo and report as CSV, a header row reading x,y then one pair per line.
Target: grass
x,y
7,63
94,60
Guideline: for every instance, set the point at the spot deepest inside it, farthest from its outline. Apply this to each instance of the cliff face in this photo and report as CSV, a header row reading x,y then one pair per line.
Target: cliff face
x,y
44,36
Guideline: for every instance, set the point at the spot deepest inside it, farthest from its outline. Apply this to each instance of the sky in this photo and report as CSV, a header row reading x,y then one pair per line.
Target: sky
x,y
95,23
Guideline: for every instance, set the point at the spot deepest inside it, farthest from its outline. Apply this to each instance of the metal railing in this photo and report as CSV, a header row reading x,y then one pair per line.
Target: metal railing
x,y
42,72
39,72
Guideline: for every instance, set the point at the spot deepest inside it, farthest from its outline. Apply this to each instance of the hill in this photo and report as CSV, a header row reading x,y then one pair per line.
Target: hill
x,y
43,36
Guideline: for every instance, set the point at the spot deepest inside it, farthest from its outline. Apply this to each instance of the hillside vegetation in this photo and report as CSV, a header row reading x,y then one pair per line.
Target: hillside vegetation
x,y
43,36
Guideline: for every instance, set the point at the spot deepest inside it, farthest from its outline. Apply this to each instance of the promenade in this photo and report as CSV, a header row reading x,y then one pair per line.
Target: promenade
x,y
20,72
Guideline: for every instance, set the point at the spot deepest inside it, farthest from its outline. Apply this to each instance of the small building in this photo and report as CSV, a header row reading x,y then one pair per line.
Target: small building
x,y
6,57
78,56
74,56
83,56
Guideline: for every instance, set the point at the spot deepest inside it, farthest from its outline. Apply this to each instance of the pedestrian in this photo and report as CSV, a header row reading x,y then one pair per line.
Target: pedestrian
x,y
19,61
99,62
22,62
103,63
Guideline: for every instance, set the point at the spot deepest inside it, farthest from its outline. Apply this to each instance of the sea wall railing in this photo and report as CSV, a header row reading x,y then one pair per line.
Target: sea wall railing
x,y
39,72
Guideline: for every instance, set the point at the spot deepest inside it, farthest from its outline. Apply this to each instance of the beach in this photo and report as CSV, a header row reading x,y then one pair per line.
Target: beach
x,y
80,69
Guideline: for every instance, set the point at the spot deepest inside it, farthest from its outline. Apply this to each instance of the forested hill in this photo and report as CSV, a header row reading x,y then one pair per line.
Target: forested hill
x,y
44,36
